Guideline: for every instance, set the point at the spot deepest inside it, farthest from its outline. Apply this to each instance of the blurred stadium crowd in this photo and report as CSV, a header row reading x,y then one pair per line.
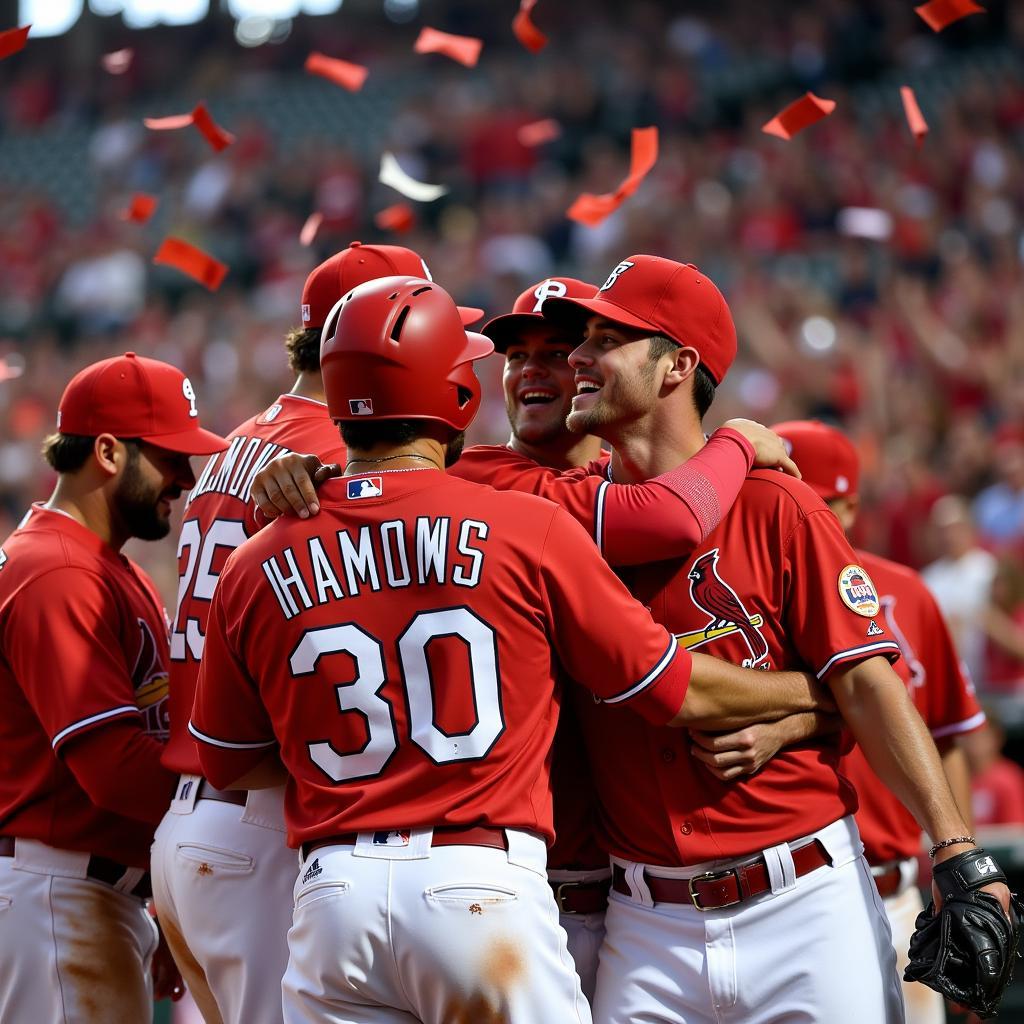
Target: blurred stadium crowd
x,y
876,284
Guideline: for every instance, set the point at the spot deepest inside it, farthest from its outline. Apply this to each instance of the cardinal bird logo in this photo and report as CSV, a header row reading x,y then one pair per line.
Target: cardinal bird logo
x,y
711,594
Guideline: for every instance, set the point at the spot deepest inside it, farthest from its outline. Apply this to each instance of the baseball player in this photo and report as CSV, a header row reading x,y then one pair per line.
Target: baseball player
x,y
745,901
83,686
932,675
410,691
219,853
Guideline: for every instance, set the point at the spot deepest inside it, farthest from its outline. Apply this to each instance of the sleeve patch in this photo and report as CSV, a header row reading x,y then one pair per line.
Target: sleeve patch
x,y
857,591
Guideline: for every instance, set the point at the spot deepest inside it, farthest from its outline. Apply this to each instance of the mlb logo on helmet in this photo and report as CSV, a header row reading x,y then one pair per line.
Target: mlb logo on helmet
x,y
365,487
360,406
858,592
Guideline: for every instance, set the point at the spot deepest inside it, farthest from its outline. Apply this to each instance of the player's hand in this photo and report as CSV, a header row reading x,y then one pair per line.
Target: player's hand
x,y
731,755
770,450
997,889
288,484
167,983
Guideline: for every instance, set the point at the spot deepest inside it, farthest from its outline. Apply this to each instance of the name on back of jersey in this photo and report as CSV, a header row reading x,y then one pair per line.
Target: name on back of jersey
x,y
233,471
393,554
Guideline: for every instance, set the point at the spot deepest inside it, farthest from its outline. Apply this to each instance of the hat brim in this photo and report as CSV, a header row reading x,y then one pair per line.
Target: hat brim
x,y
470,315
189,442
477,346
507,329
574,313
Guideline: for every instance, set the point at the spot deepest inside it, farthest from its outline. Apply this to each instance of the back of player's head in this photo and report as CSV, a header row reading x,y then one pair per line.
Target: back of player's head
x,y
826,457
661,297
396,349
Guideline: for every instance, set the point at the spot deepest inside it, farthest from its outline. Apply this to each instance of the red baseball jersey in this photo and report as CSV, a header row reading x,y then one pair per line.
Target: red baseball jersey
x,y
775,586
942,694
402,649
219,515
83,641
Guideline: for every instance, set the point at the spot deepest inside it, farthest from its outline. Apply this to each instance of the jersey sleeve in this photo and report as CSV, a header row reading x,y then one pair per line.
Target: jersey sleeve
x,y
229,720
952,706
66,622
602,634
832,612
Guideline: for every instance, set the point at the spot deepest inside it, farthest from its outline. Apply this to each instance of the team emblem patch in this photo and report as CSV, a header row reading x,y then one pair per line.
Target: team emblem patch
x,y
858,592
365,487
391,838
360,406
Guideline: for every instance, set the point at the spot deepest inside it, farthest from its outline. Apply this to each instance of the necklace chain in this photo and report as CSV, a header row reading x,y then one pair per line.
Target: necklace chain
x,y
391,458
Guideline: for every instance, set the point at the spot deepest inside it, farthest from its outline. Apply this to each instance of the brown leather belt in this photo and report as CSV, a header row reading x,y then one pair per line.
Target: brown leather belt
x,y
225,796
888,879
581,897
714,890
456,835
100,869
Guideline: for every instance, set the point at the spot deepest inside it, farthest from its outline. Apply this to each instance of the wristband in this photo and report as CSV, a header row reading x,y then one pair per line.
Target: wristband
x,y
950,842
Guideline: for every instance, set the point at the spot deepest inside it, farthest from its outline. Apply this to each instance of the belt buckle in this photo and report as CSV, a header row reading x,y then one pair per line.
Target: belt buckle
x,y
710,876
562,909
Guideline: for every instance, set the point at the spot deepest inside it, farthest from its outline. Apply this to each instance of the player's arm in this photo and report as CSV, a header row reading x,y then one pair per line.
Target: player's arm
x,y
664,517
735,753
229,721
91,718
958,775
897,744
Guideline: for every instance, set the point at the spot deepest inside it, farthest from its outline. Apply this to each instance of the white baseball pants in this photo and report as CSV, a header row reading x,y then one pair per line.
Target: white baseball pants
x,y
438,935
816,949
72,949
222,883
584,932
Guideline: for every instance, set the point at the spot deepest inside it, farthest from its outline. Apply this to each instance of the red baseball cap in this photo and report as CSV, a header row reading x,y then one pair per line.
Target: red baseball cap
x,y
653,294
504,330
356,265
826,457
131,396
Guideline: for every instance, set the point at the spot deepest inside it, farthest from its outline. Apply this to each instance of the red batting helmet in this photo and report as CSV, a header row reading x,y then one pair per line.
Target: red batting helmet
x,y
395,348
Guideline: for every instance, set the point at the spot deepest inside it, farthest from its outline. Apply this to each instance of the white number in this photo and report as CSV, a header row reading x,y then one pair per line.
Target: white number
x,y
223,533
363,693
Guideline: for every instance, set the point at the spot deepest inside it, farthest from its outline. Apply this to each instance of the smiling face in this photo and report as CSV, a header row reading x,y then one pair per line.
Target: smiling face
x,y
538,383
616,378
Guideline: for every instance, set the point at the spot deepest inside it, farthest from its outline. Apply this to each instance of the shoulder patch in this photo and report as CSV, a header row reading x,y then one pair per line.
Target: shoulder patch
x,y
858,592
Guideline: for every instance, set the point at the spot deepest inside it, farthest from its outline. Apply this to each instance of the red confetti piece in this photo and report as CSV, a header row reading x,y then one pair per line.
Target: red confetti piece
x,y
464,49
590,209
918,125
310,228
198,265
937,14
538,132
216,136
800,114
13,40
526,32
140,209
340,72
398,218
117,62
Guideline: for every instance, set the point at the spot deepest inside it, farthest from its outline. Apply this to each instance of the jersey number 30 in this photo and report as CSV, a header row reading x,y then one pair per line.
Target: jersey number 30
x,y
363,693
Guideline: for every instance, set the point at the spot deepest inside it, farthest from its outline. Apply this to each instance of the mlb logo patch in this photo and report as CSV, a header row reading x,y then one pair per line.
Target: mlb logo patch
x,y
391,838
306,315
365,487
858,592
360,406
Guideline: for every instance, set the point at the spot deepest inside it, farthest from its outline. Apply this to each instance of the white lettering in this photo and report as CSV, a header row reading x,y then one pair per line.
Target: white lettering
x,y
358,561
431,548
459,574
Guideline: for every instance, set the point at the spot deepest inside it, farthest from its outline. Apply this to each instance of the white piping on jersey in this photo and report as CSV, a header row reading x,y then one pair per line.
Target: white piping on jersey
x,y
651,677
602,492
304,398
853,652
83,722
224,743
974,722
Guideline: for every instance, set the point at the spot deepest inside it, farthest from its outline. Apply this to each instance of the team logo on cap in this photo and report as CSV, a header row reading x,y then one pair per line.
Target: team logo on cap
x,y
858,592
360,406
547,290
365,487
189,392
615,275
306,314
842,484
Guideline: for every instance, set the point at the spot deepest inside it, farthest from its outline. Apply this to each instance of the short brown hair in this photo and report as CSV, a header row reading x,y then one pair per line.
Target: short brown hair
x,y
303,347
67,453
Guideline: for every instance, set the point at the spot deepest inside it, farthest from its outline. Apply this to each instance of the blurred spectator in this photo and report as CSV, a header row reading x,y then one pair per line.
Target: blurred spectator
x,y
961,579
997,783
1004,626
999,508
